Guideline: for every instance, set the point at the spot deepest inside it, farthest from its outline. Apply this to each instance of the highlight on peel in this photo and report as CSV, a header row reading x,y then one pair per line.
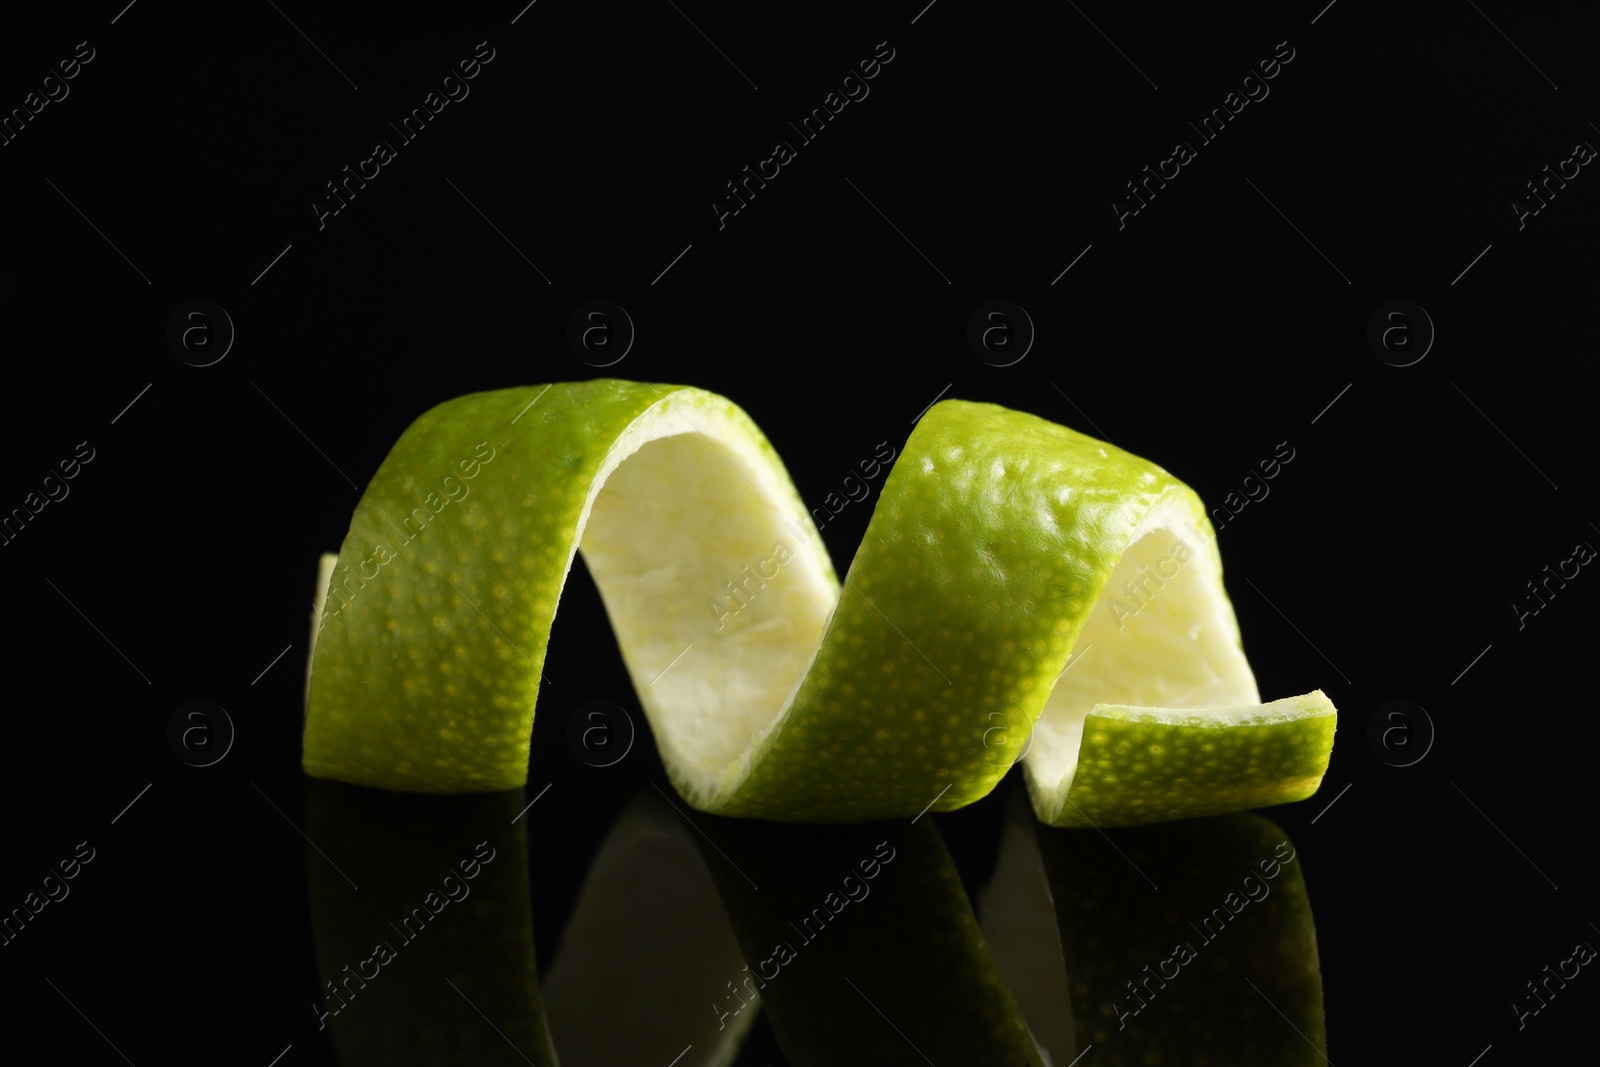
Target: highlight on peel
x,y
1015,574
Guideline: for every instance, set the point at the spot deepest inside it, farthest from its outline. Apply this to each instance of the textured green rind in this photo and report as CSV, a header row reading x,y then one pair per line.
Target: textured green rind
x,y
898,975
425,681
993,537
1243,930
1137,765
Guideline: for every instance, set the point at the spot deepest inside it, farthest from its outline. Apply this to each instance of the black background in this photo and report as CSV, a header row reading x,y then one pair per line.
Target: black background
x,y
1221,320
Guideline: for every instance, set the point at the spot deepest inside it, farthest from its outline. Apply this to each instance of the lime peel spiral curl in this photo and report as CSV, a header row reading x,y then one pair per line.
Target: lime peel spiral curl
x,y
1017,578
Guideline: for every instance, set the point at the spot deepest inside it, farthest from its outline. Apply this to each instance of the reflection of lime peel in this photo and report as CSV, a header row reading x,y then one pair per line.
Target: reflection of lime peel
x,y
1018,916
994,537
660,944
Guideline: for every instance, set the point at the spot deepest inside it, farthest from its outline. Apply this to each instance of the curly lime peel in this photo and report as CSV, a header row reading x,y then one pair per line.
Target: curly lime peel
x,y
994,538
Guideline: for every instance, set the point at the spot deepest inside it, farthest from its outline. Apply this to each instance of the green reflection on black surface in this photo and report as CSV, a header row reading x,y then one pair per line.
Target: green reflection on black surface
x,y
858,942
460,948
863,944
1216,966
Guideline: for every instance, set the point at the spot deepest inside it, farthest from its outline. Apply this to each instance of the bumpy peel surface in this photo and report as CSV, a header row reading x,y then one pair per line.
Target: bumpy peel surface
x,y
1020,587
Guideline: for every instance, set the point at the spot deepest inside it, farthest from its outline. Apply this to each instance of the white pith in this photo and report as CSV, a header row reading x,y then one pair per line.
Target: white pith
x,y
686,501
1172,643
